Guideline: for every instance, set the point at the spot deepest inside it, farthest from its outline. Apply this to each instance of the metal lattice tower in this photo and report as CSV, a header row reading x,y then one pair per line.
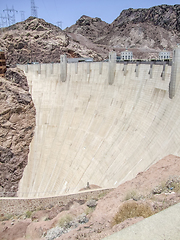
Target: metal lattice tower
x,y
22,15
3,21
33,9
10,15
59,24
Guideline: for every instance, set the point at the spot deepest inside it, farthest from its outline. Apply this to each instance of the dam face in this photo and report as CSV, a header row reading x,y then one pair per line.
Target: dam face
x,y
96,127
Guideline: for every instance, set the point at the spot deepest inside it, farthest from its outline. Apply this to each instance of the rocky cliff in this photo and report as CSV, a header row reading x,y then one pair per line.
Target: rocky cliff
x,y
17,121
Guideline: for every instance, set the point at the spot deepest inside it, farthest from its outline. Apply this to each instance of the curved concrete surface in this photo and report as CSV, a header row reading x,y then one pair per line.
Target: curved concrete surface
x,y
88,130
161,226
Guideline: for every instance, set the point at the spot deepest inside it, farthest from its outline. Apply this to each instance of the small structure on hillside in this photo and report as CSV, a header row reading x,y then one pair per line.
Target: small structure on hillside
x,y
164,55
126,55
2,64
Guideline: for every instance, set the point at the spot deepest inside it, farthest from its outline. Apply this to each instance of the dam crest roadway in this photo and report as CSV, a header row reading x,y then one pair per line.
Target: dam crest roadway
x,y
99,122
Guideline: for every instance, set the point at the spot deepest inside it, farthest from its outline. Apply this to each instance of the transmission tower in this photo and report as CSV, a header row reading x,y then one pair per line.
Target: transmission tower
x,y
33,9
3,21
22,15
59,24
10,15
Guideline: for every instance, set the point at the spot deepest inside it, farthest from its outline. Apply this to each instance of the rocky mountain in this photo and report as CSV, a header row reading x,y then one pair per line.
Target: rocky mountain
x,y
150,29
35,40
92,28
165,16
144,31
17,121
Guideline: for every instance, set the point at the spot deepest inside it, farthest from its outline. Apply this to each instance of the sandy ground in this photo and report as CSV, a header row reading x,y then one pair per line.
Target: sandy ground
x,y
158,187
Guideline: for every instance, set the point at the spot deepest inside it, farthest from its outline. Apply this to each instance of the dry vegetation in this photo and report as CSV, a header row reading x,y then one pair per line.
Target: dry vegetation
x,y
65,220
136,205
132,209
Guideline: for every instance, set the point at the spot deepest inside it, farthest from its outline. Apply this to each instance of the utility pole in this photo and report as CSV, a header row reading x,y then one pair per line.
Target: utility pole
x,y
59,24
22,15
33,9
10,15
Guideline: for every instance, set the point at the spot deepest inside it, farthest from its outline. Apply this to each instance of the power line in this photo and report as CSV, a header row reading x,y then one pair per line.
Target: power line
x,y
33,9
10,15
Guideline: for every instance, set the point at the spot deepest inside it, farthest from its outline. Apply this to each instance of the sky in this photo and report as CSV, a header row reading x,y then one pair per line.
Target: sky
x,y
67,12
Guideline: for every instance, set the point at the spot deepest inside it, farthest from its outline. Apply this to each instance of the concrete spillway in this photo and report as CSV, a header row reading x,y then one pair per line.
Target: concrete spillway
x,y
90,129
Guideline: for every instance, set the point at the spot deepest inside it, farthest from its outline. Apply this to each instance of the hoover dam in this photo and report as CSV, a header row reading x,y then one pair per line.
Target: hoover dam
x,y
99,123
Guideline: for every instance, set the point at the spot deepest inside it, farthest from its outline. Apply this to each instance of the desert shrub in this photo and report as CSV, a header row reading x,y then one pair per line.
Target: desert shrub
x,y
28,214
65,221
40,208
132,209
132,195
101,195
89,210
159,189
5,217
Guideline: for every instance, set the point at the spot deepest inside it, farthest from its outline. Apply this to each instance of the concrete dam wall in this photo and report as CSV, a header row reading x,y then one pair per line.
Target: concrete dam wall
x,y
101,123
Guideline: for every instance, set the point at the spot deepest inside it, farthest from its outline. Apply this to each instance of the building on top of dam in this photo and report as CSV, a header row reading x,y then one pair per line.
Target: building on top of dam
x,y
164,55
126,55
2,64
